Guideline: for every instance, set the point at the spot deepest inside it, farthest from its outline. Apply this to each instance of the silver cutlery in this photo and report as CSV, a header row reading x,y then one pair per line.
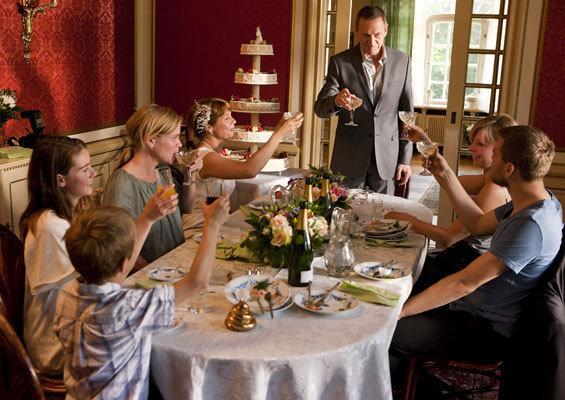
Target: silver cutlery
x,y
269,300
323,298
384,265
309,293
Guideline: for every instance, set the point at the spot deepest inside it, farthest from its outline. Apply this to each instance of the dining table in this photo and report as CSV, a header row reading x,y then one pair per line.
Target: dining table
x,y
296,355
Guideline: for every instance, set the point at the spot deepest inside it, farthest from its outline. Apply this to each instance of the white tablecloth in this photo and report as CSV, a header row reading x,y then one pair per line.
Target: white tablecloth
x,y
298,355
250,189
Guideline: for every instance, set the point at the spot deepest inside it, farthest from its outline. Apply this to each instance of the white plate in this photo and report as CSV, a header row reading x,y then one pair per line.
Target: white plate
x,y
241,287
395,237
167,274
258,205
337,302
285,306
386,227
197,237
367,269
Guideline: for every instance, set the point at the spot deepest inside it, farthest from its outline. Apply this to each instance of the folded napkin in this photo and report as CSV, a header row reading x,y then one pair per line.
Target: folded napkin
x,y
370,293
384,243
233,251
149,284
15,152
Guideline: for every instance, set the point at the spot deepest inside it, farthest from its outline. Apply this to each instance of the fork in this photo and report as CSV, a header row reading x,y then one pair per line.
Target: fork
x,y
323,298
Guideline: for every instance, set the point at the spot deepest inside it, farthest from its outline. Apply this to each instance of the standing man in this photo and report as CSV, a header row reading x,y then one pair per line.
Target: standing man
x,y
370,153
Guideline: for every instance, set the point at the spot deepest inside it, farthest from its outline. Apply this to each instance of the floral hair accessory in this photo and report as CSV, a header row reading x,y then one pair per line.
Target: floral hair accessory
x,y
203,112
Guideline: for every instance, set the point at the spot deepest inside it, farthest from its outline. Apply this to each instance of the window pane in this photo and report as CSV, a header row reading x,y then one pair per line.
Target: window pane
x,y
498,77
486,30
440,7
441,33
332,5
437,91
439,54
473,58
503,34
477,99
486,6
484,68
330,36
438,73
472,74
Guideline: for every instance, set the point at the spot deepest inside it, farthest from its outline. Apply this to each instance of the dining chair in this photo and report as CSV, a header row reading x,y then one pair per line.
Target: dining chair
x,y
489,374
12,289
19,379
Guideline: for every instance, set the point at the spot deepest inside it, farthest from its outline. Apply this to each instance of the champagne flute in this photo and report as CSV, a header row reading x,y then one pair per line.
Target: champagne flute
x,y
408,117
354,102
426,149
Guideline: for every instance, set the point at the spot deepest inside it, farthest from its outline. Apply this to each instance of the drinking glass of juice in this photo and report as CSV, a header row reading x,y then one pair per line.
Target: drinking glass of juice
x,y
163,178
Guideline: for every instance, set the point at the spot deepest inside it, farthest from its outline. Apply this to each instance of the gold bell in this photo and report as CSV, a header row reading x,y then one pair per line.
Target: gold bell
x,y
240,317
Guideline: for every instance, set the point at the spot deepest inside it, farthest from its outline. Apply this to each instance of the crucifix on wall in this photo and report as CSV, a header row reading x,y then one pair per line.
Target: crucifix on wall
x,y
28,9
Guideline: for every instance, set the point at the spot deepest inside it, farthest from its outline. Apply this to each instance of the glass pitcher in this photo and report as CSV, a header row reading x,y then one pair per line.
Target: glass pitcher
x,y
339,255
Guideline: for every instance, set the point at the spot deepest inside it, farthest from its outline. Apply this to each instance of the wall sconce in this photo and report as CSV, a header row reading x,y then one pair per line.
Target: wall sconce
x,y
28,9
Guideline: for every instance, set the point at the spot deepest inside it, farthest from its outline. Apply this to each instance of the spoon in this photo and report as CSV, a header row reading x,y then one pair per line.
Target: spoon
x,y
269,300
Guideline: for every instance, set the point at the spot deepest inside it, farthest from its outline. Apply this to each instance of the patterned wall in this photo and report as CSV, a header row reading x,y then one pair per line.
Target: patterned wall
x,y
198,50
550,106
81,72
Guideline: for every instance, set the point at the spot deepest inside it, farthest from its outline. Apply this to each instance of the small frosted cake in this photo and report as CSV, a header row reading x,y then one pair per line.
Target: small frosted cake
x,y
253,49
254,77
254,105
253,133
277,164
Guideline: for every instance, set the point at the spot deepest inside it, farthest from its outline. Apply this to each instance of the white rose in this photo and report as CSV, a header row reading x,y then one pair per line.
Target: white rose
x,y
10,101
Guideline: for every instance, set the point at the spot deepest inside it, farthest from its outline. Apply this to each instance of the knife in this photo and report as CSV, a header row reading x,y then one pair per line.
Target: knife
x,y
323,298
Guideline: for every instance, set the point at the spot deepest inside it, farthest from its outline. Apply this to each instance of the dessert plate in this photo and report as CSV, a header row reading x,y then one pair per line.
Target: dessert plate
x,y
259,205
166,274
337,302
248,287
387,226
394,237
370,268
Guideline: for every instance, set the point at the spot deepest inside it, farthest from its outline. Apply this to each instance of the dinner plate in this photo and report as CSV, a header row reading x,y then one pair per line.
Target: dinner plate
x,y
337,302
243,286
177,323
367,269
395,237
167,274
198,237
387,226
285,306
259,205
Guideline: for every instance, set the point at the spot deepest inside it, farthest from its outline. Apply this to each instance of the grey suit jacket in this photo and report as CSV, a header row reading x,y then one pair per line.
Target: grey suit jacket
x,y
379,125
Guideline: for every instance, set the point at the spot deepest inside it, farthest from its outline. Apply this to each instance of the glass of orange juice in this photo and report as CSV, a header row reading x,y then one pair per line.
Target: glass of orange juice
x,y
163,178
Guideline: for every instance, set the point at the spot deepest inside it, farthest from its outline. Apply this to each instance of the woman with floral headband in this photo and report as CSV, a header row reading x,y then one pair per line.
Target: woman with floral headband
x,y
209,123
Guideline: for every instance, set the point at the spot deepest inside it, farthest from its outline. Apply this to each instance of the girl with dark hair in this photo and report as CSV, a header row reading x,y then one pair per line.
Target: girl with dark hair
x,y
59,175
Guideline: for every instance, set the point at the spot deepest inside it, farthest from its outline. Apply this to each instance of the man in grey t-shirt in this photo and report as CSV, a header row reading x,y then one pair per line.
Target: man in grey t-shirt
x,y
470,314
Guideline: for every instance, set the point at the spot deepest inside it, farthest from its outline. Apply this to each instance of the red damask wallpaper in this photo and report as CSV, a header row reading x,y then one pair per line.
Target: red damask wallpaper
x,y
198,50
81,73
550,106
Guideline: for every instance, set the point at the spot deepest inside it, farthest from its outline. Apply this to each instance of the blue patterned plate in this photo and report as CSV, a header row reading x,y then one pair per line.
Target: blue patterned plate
x,y
373,270
243,288
336,302
167,274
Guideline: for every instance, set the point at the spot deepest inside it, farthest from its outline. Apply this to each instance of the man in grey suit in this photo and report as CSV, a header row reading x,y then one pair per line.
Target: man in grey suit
x,y
370,153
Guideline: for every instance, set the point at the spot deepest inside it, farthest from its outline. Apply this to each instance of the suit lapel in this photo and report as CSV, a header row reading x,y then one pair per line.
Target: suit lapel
x,y
358,65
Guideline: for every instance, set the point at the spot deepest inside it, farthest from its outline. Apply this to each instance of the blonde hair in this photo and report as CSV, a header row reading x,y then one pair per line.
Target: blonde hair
x,y
149,122
98,240
491,127
196,129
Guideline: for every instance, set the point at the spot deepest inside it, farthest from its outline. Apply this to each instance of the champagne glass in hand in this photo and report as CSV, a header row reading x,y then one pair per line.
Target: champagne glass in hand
x,y
354,102
408,117
426,148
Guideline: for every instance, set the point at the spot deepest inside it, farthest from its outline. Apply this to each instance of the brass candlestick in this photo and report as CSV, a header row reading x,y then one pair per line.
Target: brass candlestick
x,y
28,9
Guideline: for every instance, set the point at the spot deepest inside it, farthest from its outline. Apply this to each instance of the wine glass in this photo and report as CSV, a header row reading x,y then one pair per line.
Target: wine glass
x,y
354,102
185,158
408,117
426,149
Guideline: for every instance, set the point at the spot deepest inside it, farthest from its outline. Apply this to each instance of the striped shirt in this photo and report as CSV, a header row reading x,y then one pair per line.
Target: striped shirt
x,y
106,331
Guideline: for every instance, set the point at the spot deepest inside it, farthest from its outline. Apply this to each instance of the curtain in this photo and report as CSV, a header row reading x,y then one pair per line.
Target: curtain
x,y
400,18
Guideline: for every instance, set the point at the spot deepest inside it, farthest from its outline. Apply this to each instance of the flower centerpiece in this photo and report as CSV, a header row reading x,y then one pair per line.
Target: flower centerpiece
x,y
272,233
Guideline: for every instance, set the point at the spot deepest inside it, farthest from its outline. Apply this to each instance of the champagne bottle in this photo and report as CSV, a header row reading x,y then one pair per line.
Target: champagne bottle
x,y
324,203
300,270
308,182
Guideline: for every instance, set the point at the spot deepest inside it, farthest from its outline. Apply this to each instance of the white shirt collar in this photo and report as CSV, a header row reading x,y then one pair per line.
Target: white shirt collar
x,y
369,60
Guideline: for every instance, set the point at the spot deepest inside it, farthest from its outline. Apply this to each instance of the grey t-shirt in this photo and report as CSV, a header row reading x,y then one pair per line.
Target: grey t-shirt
x,y
526,243
125,190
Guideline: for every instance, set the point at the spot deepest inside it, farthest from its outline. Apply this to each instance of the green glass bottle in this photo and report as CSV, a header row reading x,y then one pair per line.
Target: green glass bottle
x,y
300,270
308,182
324,203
